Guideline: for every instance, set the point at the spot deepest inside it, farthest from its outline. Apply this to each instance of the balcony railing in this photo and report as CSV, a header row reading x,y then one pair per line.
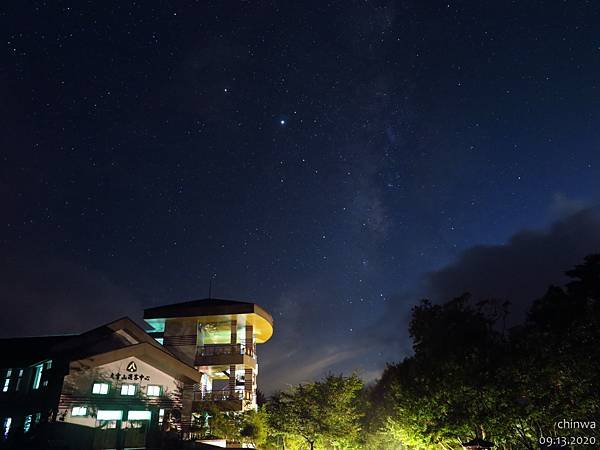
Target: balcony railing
x,y
227,349
222,395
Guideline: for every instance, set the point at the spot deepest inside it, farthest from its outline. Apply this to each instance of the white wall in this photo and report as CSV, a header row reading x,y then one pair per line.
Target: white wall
x,y
77,388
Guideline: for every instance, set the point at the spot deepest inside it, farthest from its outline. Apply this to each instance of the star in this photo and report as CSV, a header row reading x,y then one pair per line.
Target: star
x,y
282,122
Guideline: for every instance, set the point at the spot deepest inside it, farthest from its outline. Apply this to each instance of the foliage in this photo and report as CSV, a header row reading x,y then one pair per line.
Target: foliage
x,y
254,427
223,425
249,427
324,413
469,378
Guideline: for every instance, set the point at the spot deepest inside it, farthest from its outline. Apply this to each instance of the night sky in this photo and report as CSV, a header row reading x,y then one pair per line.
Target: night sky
x,y
333,161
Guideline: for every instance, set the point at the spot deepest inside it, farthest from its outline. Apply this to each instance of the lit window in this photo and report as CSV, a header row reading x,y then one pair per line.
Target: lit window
x,y
38,417
128,389
6,384
27,424
6,426
19,379
49,364
100,388
161,416
139,415
153,391
161,341
108,424
104,414
79,411
38,376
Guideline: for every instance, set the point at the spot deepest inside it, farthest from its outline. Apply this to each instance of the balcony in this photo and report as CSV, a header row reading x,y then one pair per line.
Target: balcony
x,y
226,354
226,400
227,349
222,395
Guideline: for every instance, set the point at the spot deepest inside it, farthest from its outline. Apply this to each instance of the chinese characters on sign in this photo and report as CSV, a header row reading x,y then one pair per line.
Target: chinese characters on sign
x,y
130,376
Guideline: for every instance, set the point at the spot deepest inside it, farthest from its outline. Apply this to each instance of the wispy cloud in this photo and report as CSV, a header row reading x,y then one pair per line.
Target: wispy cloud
x,y
563,205
317,365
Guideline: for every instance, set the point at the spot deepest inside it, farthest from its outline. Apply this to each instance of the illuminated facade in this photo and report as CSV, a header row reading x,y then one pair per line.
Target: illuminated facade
x,y
218,338
119,386
111,387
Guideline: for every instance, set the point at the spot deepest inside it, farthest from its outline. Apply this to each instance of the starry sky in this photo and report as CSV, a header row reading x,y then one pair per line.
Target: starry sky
x,y
333,161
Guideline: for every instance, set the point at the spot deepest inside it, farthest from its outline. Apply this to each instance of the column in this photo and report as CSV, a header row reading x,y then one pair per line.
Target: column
x,y
248,371
232,381
233,342
249,384
187,399
233,339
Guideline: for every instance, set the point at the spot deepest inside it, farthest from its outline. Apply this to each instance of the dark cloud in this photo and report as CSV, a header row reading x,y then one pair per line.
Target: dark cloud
x,y
306,346
519,271
522,269
53,296
43,295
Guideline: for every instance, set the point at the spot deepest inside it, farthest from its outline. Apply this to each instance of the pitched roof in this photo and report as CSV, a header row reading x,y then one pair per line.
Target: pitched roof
x,y
159,358
119,333
120,338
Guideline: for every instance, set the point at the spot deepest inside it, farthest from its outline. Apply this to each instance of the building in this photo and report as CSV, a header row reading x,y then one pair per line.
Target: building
x,y
118,386
218,338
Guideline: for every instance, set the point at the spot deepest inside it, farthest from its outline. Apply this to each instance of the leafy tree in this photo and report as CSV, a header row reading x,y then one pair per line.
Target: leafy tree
x,y
324,413
449,390
468,377
219,424
297,413
254,427
556,368
261,399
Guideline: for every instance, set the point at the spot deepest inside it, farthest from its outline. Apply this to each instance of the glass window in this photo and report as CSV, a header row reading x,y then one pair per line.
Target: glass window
x,y
79,411
214,333
128,389
27,424
6,426
38,417
38,376
161,415
100,388
153,390
49,364
19,379
139,415
161,341
104,414
107,424
6,384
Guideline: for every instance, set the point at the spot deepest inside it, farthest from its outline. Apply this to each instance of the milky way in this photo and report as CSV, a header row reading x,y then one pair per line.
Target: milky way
x,y
322,159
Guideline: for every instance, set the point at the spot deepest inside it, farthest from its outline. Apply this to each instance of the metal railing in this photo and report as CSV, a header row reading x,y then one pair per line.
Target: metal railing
x,y
222,395
227,349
